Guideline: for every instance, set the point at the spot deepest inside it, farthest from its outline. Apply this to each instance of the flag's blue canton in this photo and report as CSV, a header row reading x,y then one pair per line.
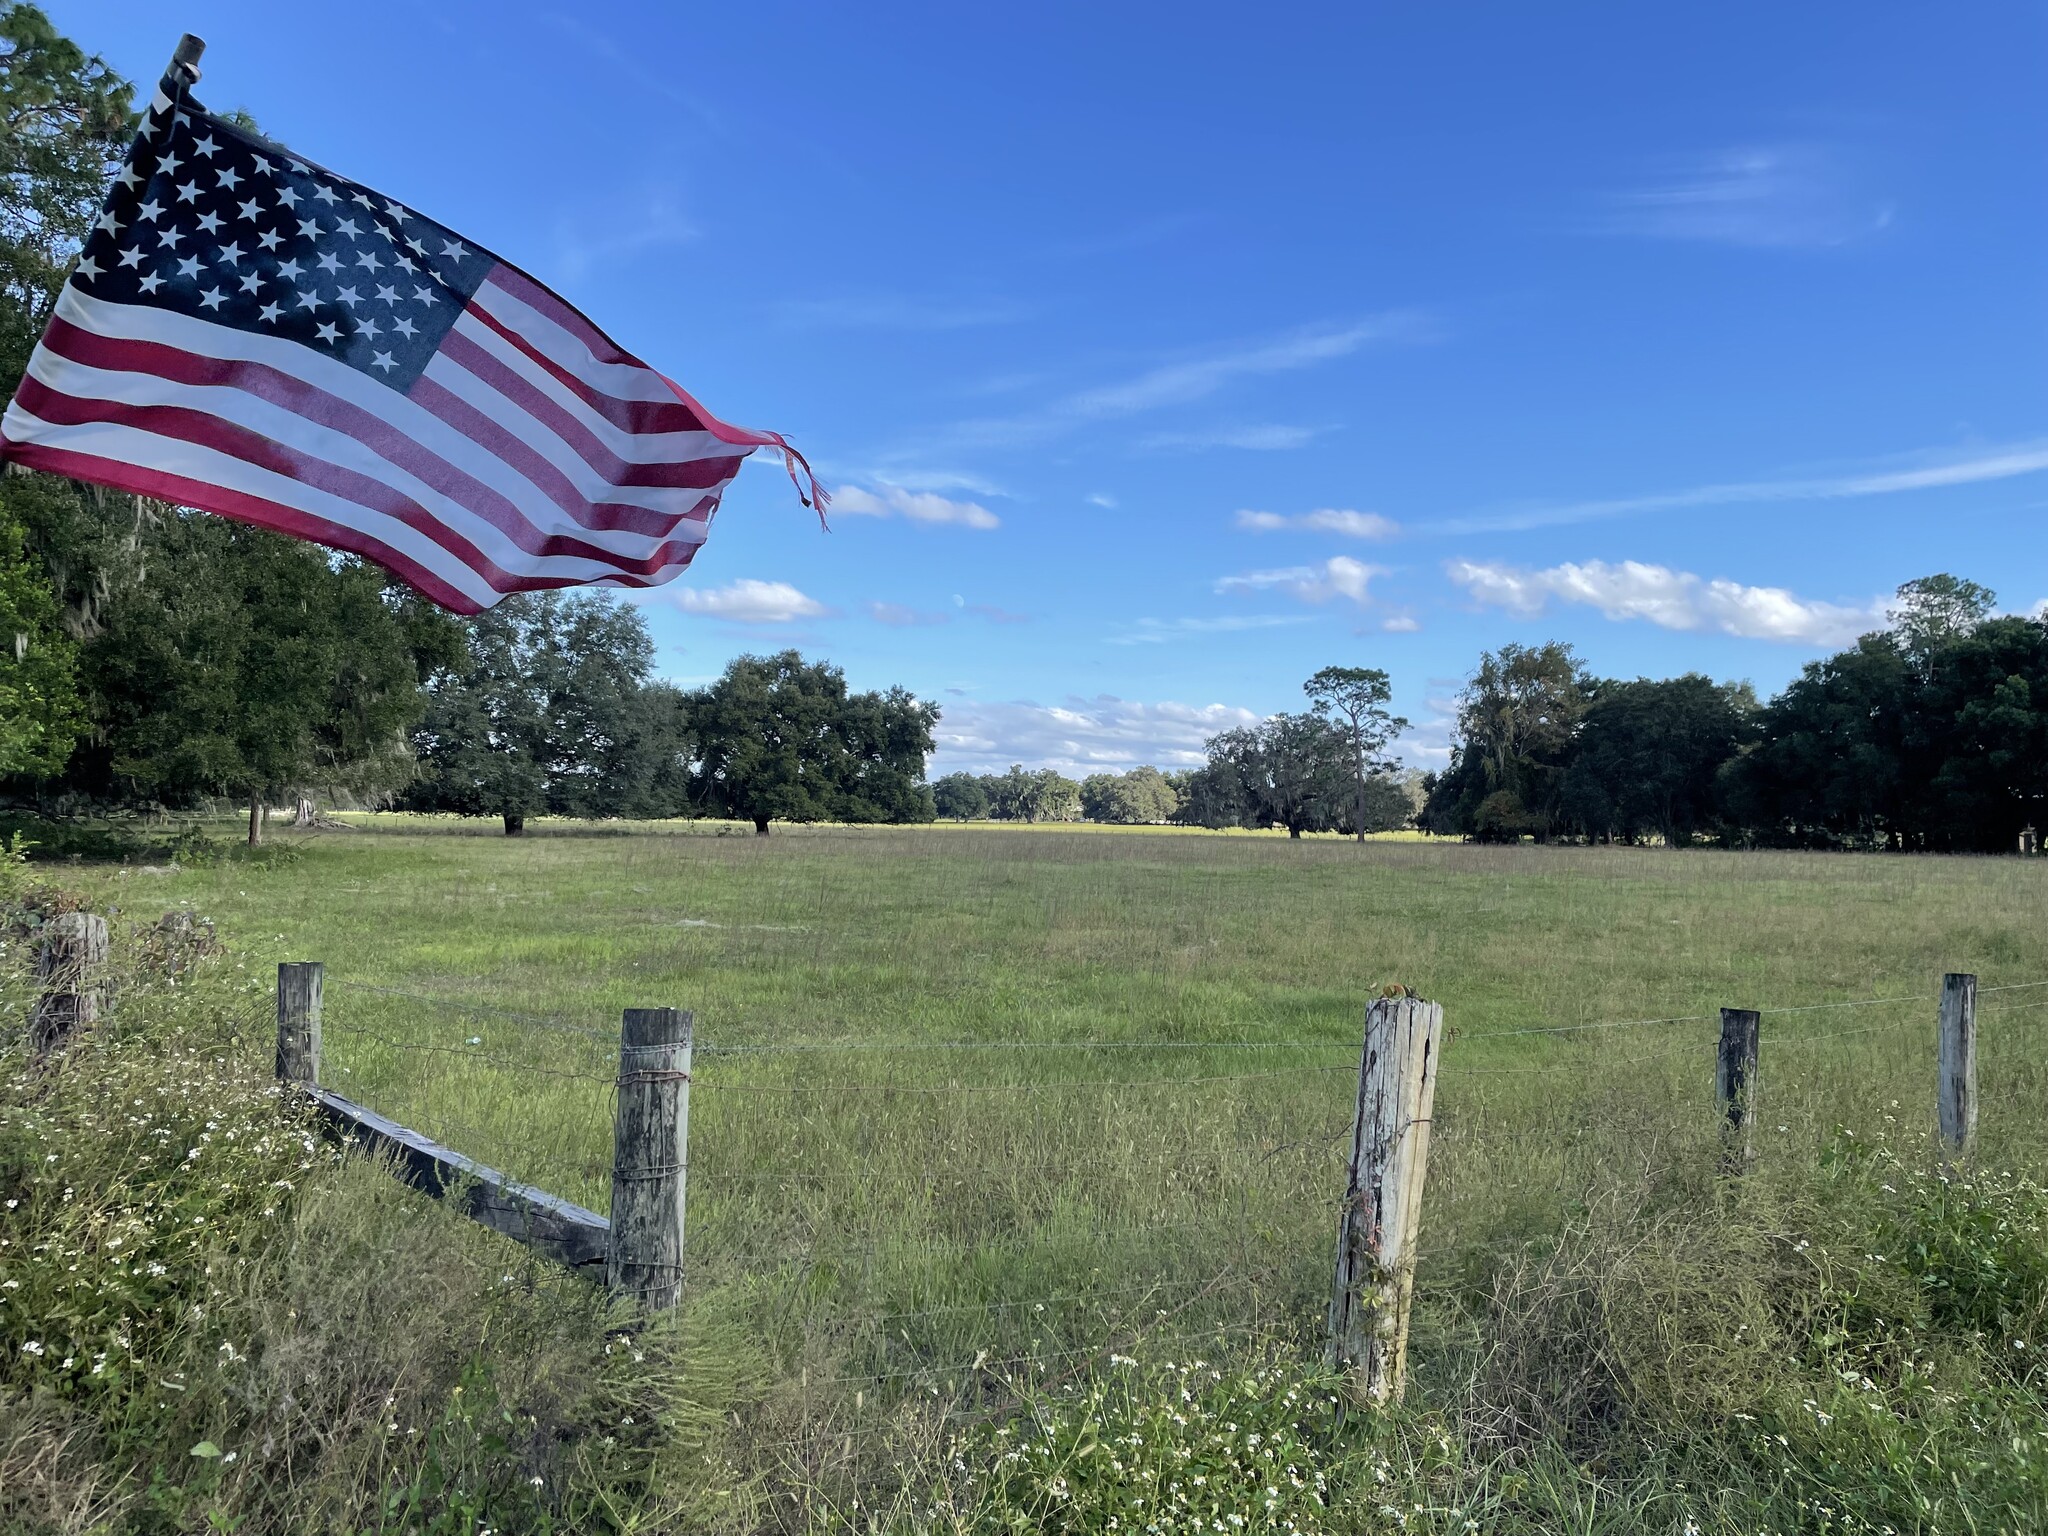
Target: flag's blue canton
x,y
211,223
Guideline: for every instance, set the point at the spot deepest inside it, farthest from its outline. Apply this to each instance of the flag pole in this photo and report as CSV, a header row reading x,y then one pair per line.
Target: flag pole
x,y
185,60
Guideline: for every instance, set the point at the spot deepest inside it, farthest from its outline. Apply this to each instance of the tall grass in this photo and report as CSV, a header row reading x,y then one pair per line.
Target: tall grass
x,y
974,1109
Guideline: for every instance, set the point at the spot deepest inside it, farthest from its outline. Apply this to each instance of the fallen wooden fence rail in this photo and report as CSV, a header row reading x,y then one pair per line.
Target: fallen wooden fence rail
x,y
548,1224
642,1256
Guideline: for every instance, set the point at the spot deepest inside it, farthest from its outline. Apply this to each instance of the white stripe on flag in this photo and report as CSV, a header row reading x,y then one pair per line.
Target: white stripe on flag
x,y
503,547
623,381
147,450
133,322
638,447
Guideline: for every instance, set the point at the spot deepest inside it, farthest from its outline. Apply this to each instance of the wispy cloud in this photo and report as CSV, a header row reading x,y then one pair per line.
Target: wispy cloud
x,y
1079,736
888,500
1269,438
1670,599
619,61
894,312
644,219
918,477
1769,195
1929,473
994,614
1338,520
1340,576
748,601
897,616
1188,379
1197,378
1102,499
1159,631
1131,237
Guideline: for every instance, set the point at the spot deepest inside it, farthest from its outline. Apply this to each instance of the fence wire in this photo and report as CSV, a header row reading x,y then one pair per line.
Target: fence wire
x,y
938,1223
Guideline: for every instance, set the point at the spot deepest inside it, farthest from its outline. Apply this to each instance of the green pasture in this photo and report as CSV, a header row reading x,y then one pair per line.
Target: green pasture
x,y
1018,1095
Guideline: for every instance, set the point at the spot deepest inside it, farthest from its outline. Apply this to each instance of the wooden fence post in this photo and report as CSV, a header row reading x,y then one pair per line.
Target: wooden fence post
x,y
298,1022
651,1140
1376,1236
68,964
1735,1082
1957,1088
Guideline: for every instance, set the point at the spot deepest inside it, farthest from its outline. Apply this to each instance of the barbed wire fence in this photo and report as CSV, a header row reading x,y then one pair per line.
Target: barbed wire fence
x,y
918,1229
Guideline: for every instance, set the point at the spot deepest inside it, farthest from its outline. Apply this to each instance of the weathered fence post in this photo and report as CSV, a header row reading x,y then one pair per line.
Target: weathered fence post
x,y
1735,1082
298,1021
68,964
1957,1087
651,1140
1382,1214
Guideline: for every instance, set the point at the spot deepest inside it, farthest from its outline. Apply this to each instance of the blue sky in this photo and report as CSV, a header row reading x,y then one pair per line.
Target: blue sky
x,y
1161,355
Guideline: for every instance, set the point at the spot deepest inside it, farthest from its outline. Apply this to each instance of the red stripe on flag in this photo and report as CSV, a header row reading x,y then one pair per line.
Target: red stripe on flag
x,y
604,350
689,474
243,508
533,466
289,392
635,416
186,424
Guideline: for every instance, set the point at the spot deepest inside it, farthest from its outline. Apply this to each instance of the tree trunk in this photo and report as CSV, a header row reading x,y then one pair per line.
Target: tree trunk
x,y
307,817
760,826
1294,831
255,817
514,825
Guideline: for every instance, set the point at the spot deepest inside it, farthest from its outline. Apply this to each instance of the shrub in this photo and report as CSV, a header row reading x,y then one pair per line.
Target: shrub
x,y
1178,1446
212,1318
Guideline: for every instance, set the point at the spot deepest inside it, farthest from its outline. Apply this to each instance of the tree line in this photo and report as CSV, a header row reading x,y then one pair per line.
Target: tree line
x,y
1928,735
163,657
1325,769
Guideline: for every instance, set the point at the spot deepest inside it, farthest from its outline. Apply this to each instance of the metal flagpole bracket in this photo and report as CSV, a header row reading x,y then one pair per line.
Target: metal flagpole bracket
x,y
185,59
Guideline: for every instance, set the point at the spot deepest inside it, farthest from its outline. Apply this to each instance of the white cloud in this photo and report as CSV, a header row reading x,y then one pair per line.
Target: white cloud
x,y
1339,576
1271,438
1402,624
748,601
1670,599
1079,737
1102,499
1770,195
1159,631
2003,462
1340,520
919,506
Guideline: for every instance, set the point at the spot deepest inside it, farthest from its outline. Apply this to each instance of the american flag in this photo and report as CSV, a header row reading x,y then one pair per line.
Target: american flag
x,y
252,335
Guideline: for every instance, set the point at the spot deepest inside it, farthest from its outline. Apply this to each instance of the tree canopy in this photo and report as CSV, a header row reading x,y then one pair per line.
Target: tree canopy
x,y
1930,734
1355,700
779,738
1517,720
549,711
248,665
1140,796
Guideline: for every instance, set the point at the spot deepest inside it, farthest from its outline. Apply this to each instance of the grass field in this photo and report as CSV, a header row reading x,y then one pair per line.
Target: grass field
x,y
977,1100
957,1147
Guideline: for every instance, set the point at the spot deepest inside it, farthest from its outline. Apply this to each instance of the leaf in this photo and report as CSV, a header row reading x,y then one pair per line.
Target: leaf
x,y
207,1449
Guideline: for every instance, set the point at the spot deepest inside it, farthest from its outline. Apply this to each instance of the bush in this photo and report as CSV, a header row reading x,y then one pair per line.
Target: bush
x,y
1186,1446
212,1318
